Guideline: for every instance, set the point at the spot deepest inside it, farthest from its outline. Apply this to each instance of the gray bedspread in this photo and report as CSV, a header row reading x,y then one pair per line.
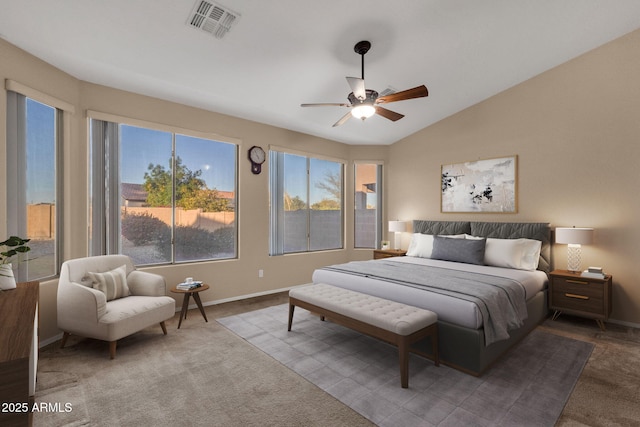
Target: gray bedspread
x,y
500,300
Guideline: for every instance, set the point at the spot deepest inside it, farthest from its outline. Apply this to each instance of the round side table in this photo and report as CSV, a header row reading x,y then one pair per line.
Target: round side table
x,y
185,302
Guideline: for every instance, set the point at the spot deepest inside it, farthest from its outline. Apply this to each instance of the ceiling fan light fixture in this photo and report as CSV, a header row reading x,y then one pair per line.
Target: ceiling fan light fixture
x,y
365,102
363,111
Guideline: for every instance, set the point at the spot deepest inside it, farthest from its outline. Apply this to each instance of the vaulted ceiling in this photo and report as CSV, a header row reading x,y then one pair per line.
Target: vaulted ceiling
x,y
279,54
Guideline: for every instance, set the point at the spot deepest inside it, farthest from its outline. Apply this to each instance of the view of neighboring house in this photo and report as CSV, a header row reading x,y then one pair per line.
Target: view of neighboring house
x,y
133,195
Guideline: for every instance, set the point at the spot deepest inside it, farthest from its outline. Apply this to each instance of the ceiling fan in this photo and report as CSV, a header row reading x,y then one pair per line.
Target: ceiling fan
x,y
364,103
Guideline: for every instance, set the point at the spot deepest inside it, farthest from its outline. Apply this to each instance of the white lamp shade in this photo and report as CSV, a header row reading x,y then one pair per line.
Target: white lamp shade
x,y
397,226
574,236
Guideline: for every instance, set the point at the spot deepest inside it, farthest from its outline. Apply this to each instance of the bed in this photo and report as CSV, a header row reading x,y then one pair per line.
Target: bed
x,y
477,324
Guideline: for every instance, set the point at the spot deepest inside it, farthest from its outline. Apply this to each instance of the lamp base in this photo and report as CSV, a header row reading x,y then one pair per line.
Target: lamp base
x,y
396,240
574,257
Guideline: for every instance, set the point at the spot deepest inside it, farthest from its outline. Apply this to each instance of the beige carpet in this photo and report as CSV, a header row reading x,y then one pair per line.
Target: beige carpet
x,y
200,375
608,391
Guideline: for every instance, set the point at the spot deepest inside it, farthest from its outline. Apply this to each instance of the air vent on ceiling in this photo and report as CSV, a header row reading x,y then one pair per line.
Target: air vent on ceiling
x,y
388,91
212,18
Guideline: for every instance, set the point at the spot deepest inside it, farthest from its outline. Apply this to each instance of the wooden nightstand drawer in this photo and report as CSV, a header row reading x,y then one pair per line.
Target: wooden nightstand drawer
x,y
578,286
579,302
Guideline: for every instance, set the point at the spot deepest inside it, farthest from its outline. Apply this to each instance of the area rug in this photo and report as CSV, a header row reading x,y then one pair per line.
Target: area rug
x,y
528,386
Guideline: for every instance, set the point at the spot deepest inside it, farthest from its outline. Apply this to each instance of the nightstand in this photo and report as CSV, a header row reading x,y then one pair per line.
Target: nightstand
x,y
388,253
572,293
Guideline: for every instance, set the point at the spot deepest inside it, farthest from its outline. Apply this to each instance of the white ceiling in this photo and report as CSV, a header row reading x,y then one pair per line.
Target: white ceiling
x,y
287,52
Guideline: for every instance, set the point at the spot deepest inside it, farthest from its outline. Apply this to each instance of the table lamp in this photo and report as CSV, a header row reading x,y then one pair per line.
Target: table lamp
x,y
574,237
397,227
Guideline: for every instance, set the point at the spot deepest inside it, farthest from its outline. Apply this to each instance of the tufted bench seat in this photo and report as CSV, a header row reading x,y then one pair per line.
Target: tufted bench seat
x,y
390,321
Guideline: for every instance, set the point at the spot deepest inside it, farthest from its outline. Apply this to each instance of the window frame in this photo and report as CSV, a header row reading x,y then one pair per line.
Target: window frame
x,y
276,195
17,99
106,240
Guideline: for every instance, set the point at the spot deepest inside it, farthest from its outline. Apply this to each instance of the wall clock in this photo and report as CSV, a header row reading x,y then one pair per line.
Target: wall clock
x,y
257,157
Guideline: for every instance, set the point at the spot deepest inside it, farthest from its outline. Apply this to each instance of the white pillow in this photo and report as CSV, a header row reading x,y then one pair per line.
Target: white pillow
x,y
503,253
422,244
521,254
530,254
470,237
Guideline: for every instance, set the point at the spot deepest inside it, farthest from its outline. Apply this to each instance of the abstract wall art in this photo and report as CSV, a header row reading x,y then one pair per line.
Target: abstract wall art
x,y
488,185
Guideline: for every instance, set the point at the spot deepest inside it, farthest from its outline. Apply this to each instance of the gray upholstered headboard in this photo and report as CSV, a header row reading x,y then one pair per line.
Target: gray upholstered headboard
x,y
498,230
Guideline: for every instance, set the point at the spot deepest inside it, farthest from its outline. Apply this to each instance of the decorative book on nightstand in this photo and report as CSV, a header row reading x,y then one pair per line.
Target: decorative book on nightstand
x,y
572,293
388,253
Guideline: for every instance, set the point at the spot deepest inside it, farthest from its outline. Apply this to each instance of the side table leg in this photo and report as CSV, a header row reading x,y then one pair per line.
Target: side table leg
x,y
600,323
291,310
185,307
199,302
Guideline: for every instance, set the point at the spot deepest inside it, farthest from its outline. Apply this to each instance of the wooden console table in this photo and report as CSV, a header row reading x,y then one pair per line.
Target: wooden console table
x,y
18,352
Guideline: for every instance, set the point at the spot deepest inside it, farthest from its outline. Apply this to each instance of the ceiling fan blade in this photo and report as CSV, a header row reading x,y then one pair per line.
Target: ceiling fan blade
x,y
357,87
388,114
416,92
326,104
343,119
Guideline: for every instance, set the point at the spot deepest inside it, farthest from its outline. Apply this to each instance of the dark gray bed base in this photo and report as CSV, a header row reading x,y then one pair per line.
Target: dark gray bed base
x,y
464,348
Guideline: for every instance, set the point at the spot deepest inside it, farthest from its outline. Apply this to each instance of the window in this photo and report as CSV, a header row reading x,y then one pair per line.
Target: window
x,y
34,135
306,203
169,197
368,205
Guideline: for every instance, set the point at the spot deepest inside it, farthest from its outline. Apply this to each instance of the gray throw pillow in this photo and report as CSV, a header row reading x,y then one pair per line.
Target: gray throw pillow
x,y
459,250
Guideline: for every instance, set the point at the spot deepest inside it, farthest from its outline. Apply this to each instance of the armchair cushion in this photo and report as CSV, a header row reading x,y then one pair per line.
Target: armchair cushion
x,y
112,283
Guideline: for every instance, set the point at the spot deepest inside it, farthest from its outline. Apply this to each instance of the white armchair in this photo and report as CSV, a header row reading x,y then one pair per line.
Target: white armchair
x,y
85,311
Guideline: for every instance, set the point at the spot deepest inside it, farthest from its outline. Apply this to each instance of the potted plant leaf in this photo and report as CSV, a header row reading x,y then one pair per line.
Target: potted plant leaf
x,y
14,246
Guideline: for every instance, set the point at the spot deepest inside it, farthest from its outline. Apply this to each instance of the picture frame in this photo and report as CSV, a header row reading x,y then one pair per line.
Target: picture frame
x,y
480,186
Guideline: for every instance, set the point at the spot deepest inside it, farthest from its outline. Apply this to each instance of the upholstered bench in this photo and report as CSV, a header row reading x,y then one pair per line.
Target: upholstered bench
x,y
390,321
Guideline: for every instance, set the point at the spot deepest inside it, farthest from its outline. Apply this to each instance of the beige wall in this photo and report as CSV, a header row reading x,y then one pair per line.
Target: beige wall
x,y
230,279
576,131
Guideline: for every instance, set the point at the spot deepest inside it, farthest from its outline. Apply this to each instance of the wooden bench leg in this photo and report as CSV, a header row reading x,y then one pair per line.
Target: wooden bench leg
x,y
164,327
434,345
403,353
404,348
291,308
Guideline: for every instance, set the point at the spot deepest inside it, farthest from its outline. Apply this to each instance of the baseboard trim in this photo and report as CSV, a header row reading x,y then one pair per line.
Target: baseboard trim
x,y
241,297
50,340
623,323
